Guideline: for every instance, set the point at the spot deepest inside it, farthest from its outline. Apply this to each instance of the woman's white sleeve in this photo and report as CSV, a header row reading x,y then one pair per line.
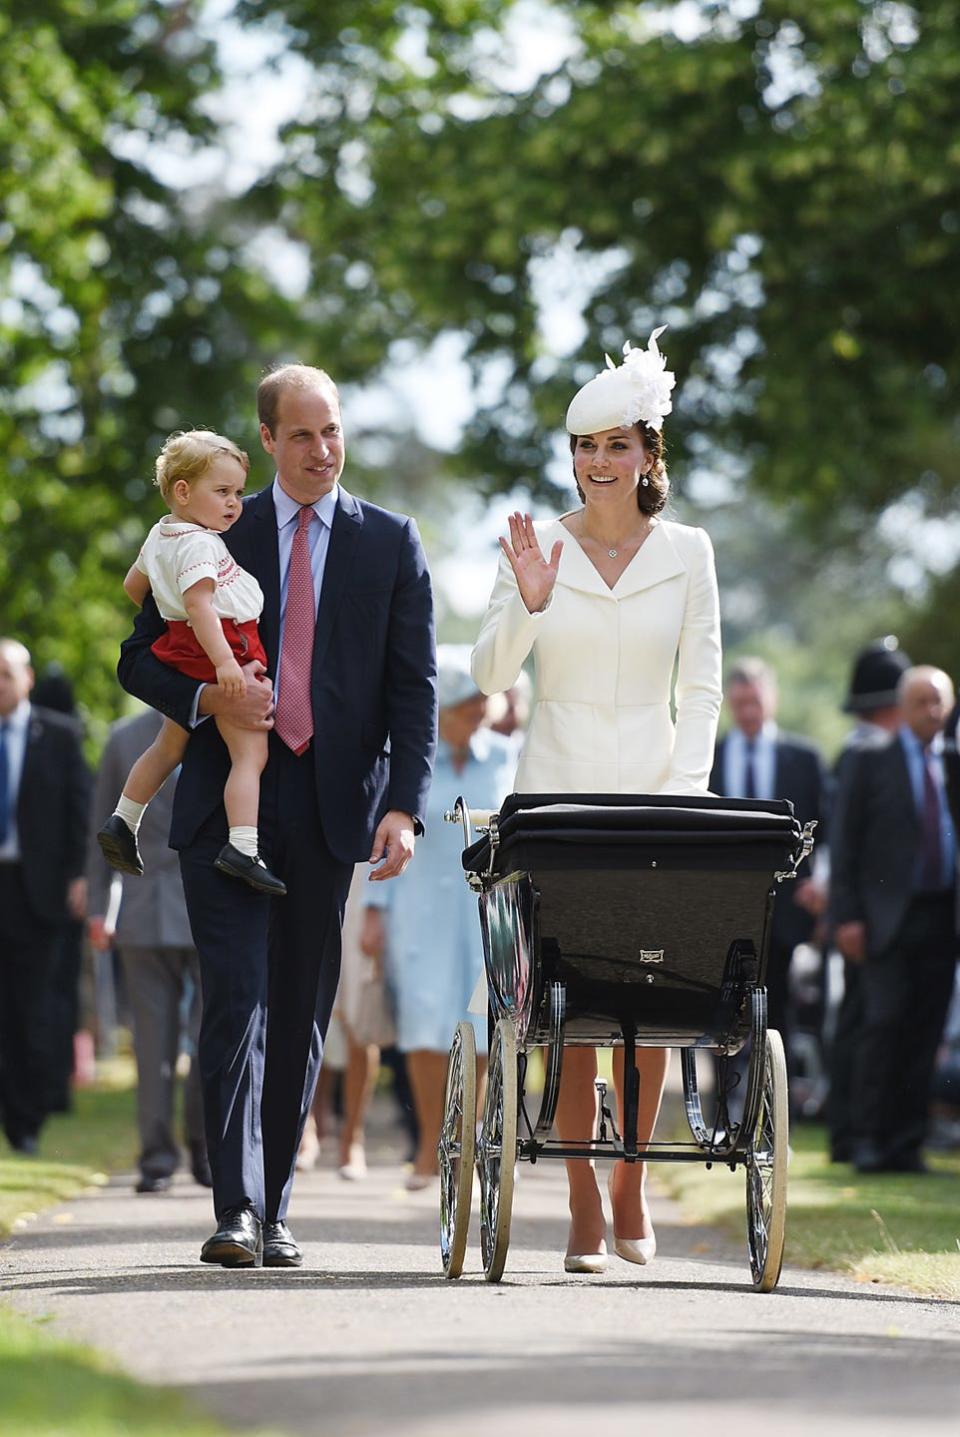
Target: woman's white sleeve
x,y
699,689
506,635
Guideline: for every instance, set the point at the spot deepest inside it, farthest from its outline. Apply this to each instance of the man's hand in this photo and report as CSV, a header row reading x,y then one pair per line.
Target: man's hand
x,y
810,895
851,939
394,840
253,709
77,898
99,934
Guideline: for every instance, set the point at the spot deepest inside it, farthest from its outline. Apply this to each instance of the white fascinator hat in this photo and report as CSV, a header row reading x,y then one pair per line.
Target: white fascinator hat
x,y
623,394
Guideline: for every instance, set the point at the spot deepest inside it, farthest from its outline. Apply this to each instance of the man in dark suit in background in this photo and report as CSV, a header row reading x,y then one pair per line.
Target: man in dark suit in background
x,y
893,900
873,703
756,760
44,807
161,970
347,626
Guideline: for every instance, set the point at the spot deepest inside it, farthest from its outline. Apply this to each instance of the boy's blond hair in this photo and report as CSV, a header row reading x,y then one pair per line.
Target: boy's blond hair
x,y
189,454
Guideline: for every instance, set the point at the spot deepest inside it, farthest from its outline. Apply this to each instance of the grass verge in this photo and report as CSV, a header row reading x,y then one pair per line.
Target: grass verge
x,y
76,1150
55,1388
898,1228
49,1386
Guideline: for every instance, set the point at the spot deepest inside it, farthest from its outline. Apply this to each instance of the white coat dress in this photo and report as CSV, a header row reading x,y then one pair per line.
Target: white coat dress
x,y
604,665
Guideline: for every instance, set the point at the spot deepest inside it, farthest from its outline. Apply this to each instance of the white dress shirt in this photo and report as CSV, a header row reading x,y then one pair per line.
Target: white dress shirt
x,y
764,762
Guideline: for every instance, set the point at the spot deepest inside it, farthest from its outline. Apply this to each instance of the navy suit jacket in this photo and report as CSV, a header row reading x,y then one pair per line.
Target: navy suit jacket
x,y
799,775
53,812
373,683
876,838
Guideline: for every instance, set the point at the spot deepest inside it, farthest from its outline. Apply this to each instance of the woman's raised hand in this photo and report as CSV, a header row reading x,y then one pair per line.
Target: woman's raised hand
x,y
534,574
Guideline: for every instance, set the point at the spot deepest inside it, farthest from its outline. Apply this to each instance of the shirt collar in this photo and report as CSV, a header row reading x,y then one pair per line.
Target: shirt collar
x,y
913,745
768,734
287,509
18,720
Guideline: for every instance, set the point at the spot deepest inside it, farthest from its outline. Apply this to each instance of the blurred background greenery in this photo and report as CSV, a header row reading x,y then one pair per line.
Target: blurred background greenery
x,y
457,206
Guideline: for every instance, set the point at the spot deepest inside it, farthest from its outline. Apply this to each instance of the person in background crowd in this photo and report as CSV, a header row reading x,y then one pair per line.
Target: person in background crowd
x,y
44,809
430,931
508,713
54,691
872,701
893,900
160,966
362,1016
755,759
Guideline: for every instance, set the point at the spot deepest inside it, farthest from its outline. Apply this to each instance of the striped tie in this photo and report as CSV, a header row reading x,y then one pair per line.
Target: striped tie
x,y
294,716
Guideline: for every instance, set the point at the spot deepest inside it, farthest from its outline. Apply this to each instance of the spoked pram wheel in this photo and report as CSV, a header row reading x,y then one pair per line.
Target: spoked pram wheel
x,y
456,1148
497,1150
767,1169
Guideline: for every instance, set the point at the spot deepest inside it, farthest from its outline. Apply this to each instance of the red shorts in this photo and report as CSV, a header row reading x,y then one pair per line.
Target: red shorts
x,y
181,649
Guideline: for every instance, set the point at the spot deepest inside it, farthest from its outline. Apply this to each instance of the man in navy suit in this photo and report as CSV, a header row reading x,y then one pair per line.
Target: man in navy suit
x,y
756,759
44,803
893,899
347,626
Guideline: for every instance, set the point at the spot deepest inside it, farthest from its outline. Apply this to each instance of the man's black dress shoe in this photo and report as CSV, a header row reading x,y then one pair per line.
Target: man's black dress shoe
x,y
120,846
152,1183
867,1158
908,1163
237,1242
252,870
26,1145
200,1167
280,1247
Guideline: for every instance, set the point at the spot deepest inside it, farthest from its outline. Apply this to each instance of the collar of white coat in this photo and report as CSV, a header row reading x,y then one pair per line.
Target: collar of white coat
x,y
656,560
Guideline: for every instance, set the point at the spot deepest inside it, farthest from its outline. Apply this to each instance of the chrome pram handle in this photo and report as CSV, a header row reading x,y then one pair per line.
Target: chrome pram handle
x,y
481,820
804,851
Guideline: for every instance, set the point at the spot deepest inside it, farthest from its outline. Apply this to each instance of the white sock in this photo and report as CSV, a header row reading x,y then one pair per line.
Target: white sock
x,y
245,839
130,812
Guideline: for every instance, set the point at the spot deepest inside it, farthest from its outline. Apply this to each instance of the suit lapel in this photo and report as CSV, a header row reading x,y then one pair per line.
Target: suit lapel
x,y
31,758
344,534
655,561
902,789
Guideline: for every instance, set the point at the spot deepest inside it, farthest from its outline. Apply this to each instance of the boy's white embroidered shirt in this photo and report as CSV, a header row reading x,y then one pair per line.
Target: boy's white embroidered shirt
x,y
176,554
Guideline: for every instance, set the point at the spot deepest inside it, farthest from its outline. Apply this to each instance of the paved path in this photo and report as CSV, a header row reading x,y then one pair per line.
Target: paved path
x,y
369,1338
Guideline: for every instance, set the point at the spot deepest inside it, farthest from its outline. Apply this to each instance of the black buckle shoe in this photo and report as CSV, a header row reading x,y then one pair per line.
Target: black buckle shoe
x,y
120,847
237,1242
280,1247
252,870
153,1183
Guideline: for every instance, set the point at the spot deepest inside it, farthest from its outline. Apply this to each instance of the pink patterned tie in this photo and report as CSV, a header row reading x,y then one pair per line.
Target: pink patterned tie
x,y
294,716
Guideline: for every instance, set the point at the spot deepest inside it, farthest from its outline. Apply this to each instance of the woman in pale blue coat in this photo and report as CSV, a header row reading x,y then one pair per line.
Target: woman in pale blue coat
x,y
432,930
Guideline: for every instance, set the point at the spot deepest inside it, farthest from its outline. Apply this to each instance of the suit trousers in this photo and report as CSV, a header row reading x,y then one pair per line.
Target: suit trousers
x,y
156,981
906,992
28,948
841,1107
269,969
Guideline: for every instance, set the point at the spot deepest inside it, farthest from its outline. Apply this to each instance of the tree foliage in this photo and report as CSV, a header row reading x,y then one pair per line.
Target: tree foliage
x,y
782,186
126,307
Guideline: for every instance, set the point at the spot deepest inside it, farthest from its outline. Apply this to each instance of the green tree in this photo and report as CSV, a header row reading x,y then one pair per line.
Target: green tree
x,y
782,185
126,307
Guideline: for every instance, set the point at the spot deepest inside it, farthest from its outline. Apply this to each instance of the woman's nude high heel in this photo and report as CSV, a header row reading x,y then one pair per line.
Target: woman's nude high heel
x,y
632,1249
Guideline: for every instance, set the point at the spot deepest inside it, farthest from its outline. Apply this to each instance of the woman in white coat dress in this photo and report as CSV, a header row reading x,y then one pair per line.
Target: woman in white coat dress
x,y
606,599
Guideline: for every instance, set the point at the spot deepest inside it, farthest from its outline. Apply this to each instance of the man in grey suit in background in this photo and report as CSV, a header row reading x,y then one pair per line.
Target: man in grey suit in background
x,y
160,964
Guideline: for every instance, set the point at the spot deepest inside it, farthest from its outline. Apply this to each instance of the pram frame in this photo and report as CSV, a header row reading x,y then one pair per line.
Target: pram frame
x,y
757,1141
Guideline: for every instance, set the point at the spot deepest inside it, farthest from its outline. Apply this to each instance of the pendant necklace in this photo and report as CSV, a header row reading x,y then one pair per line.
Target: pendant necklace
x,y
611,553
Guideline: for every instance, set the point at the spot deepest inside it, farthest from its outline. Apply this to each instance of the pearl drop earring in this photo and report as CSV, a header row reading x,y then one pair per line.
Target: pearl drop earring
x,y
646,482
